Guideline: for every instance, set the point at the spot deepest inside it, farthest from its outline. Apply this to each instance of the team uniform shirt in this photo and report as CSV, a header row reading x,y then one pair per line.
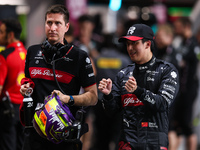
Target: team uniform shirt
x,y
72,72
145,111
12,63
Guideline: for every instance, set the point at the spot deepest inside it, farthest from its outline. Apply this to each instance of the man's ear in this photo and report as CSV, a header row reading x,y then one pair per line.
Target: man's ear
x,y
11,35
67,26
148,44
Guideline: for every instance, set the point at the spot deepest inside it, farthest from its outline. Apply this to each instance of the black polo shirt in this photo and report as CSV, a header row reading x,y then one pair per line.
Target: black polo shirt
x,y
73,71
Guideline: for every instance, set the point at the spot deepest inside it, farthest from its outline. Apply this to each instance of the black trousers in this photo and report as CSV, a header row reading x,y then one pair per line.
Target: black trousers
x,y
11,130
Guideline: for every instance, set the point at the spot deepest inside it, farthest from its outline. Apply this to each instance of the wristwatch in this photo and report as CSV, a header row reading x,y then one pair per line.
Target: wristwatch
x,y
71,101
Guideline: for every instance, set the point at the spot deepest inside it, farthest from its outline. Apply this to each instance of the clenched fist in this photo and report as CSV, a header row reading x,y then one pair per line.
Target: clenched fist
x,y
105,86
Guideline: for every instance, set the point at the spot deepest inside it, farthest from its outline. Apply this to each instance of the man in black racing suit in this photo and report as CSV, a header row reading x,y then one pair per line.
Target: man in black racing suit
x,y
144,92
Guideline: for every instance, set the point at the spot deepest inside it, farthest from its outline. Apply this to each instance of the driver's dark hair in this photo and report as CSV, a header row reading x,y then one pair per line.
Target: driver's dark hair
x,y
13,25
58,8
152,43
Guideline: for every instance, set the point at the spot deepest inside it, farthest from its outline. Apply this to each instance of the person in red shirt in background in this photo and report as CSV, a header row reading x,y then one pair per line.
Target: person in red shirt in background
x,y
12,64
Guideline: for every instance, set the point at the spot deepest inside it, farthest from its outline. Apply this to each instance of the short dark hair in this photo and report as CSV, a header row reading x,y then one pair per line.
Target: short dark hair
x,y
13,25
185,21
144,40
85,18
58,9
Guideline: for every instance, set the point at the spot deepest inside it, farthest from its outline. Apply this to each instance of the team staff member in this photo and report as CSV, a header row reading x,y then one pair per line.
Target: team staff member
x,y
73,69
189,85
144,91
12,63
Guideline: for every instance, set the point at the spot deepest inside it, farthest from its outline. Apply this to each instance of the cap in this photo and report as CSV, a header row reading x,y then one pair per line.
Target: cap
x,y
138,32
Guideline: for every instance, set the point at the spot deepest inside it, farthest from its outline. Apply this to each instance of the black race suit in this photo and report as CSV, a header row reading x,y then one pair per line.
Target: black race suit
x,y
145,112
72,72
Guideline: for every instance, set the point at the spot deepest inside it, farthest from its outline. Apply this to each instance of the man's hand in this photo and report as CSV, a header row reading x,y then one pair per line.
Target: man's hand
x,y
88,98
131,85
24,88
64,98
105,86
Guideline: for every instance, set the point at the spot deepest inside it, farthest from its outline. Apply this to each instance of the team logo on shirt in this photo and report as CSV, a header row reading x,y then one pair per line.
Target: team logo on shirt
x,y
39,53
152,72
122,71
91,74
47,74
22,55
124,146
87,60
130,100
148,99
149,124
38,56
173,74
88,65
143,67
20,77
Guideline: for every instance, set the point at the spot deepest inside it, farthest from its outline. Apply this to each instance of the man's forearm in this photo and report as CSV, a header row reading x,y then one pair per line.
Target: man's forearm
x,y
86,99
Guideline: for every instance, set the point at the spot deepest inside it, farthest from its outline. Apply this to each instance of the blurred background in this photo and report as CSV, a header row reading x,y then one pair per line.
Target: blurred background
x,y
107,13
109,16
